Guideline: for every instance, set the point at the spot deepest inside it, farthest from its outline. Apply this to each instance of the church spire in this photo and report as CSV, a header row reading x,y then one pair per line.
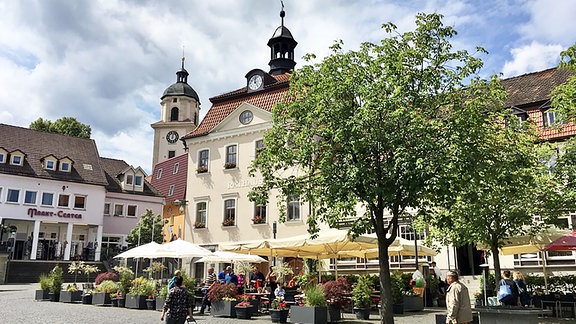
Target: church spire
x,y
282,46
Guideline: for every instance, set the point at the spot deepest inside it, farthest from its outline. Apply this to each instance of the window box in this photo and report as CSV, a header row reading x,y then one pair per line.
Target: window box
x,y
229,165
228,222
202,169
258,220
199,225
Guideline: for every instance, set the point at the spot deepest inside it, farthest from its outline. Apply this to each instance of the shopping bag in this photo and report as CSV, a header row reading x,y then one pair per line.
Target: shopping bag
x,y
504,290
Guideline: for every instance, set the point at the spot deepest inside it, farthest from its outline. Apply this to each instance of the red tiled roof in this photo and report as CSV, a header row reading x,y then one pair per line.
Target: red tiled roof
x,y
168,177
533,87
225,103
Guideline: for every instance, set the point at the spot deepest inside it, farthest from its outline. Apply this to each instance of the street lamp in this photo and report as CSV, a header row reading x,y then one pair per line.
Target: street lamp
x,y
181,203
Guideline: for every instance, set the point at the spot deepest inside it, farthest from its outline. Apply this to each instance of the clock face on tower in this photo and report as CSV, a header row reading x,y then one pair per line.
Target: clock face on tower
x,y
255,82
172,137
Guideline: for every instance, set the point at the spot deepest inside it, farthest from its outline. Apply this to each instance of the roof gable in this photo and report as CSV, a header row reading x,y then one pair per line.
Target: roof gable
x,y
232,121
534,88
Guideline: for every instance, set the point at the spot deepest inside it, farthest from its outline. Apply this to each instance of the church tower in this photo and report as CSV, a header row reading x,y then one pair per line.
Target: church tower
x,y
282,46
180,114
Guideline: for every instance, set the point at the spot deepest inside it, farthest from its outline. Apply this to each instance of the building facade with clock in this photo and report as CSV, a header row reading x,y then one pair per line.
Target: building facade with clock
x,y
180,113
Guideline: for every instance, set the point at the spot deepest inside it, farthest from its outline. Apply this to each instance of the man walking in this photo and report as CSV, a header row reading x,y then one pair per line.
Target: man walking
x,y
459,309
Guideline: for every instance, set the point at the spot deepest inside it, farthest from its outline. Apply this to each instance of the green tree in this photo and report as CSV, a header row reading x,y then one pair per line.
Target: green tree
x,y
373,129
148,225
65,125
564,95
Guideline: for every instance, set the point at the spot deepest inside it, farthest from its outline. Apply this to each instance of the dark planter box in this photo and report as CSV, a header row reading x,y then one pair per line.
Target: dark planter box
x,y
136,301
42,295
71,296
413,303
362,313
54,297
114,302
279,316
334,314
398,309
151,304
309,314
160,303
87,299
244,312
224,308
101,299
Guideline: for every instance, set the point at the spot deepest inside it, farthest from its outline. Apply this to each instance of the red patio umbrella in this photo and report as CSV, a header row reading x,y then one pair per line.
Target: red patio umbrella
x,y
564,243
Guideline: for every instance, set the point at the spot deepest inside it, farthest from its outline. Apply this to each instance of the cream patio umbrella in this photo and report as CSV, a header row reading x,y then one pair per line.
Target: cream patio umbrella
x,y
231,257
399,247
147,250
181,249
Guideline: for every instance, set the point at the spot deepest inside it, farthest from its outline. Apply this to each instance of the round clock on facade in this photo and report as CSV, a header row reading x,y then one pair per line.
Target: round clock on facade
x,y
172,137
246,117
255,82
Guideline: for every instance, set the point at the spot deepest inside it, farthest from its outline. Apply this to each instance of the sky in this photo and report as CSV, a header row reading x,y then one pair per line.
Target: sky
x,y
107,62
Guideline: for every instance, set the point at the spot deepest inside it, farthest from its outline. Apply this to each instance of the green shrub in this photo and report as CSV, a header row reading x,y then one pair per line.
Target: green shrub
x,y
107,286
125,276
315,296
56,279
362,292
45,282
188,282
397,287
142,286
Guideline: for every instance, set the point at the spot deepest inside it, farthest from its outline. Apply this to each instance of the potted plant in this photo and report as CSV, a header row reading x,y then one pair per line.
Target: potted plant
x,y
229,165
258,220
244,310
125,282
335,292
201,169
71,294
101,295
314,311
397,287
223,299
87,270
228,222
56,282
362,297
151,302
114,299
161,299
139,291
199,225
45,283
279,311
412,301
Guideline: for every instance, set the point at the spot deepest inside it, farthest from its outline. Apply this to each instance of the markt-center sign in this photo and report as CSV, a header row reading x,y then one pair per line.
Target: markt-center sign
x,y
35,212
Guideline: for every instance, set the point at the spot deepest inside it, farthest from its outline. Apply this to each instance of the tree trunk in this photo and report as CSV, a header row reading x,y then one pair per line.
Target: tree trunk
x,y
385,290
496,259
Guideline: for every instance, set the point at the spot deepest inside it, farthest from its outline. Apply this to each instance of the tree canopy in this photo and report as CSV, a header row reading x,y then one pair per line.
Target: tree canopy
x,y
65,125
376,130
148,226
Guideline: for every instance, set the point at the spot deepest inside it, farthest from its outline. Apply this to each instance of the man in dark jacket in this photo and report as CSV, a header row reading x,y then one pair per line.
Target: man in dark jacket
x,y
514,298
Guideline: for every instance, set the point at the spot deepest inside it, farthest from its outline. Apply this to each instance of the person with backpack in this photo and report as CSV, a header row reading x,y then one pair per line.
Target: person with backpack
x,y
508,291
522,291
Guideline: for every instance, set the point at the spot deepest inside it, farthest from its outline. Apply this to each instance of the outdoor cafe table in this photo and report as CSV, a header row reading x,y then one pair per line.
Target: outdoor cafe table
x,y
510,315
258,297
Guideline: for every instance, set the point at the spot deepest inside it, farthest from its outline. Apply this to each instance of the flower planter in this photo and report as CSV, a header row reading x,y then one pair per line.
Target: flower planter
x,y
54,297
114,302
160,301
362,313
243,312
121,301
279,316
42,295
71,296
413,303
334,314
101,299
224,308
398,308
150,303
136,301
309,314
87,299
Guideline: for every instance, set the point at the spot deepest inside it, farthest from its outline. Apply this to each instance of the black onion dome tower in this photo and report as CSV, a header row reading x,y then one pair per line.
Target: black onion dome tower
x,y
181,87
282,46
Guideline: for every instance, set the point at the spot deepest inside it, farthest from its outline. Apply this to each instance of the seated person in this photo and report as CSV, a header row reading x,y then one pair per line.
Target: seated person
x,y
279,292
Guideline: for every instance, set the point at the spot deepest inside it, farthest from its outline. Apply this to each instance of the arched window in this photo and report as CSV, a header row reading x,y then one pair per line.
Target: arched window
x,y
174,114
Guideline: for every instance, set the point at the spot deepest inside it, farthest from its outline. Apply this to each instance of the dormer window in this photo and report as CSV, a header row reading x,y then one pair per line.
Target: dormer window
x,y
65,166
129,179
138,180
16,160
50,165
2,157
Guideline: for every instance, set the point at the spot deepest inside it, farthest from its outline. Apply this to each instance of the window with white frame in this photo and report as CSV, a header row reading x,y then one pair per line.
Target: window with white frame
x,y
231,156
2,157
47,199
79,202
65,166
229,212
549,118
30,197
50,165
293,208
13,195
17,160
203,157
63,200
259,214
201,213
107,209
176,166
171,190
159,174
131,211
119,210
129,179
138,180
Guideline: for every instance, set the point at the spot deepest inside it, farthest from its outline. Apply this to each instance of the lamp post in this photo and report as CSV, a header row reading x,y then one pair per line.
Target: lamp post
x,y
274,231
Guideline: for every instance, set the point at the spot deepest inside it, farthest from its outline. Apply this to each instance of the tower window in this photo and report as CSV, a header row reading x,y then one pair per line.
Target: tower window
x,y
174,114
171,154
175,100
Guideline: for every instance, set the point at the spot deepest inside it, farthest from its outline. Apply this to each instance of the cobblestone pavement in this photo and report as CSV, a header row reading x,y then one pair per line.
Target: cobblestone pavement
x,y
17,305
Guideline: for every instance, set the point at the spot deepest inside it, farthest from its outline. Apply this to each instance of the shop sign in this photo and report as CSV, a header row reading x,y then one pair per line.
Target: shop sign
x,y
62,214
245,183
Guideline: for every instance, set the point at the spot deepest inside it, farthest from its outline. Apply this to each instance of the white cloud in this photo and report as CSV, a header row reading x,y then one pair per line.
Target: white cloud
x,y
530,58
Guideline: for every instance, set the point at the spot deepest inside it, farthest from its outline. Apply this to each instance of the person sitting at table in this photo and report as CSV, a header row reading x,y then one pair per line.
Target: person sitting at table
x,y
279,292
257,278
